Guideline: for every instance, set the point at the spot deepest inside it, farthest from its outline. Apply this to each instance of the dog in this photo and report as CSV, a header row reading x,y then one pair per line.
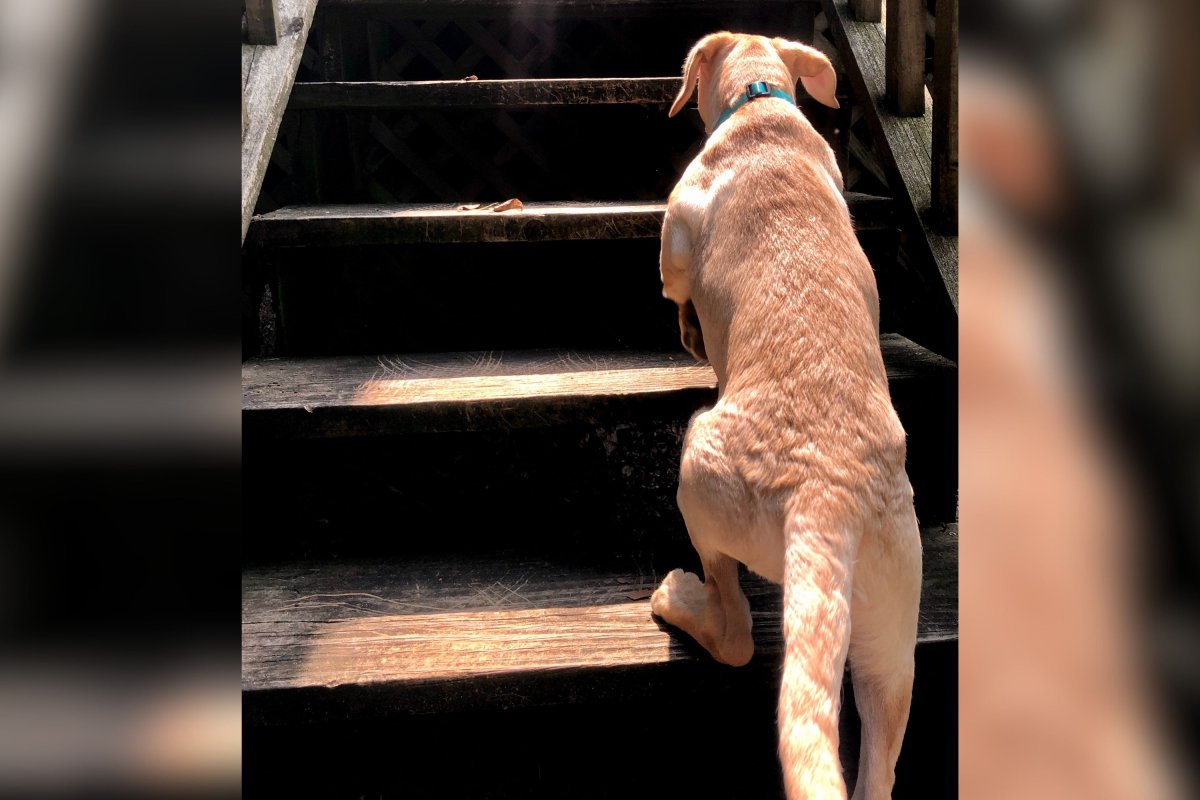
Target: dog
x,y
797,471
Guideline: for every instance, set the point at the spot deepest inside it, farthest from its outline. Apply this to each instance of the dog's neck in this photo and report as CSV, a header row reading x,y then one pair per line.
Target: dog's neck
x,y
754,91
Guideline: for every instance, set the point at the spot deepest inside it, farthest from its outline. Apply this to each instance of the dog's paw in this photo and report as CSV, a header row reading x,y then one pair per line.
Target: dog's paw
x,y
689,331
681,594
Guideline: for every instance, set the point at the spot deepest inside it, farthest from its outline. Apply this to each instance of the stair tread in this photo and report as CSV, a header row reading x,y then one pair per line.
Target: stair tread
x,y
405,211
423,621
365,224
506,93
329,395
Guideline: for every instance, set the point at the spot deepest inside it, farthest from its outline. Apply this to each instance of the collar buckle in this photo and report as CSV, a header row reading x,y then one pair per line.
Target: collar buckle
x,y
757,89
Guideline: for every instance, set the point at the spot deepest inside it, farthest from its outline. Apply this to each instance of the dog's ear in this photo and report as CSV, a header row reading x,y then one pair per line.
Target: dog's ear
x,y
811,67
697,60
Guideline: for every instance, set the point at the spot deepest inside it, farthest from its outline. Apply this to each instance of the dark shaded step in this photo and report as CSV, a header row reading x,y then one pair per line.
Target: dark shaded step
x,y
369,395
618,744
510,94
438,9
330,640
581,295
347,225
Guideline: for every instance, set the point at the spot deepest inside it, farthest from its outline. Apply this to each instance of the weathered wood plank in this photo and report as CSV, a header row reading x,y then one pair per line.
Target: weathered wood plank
x,y
435,224
868,10
905,45
268,72
401,626
261,26
365,395
945,115
904,146
299,226
508,94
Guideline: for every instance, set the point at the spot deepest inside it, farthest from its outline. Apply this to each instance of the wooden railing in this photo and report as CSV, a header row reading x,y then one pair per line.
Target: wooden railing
x,y
905,44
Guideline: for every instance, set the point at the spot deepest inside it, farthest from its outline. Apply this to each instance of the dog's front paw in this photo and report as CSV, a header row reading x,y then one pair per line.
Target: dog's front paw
x,y
689,331
678,598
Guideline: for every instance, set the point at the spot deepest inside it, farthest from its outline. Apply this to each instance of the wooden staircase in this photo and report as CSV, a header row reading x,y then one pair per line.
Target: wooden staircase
x,y
462,427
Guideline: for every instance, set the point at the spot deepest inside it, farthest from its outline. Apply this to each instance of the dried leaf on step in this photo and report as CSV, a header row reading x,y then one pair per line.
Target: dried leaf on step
x,y
640,594
468,207
510,205
471,78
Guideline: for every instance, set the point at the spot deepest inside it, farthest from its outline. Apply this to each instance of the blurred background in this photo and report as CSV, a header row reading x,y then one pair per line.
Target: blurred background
x,y
1080,392
119,324
1080,217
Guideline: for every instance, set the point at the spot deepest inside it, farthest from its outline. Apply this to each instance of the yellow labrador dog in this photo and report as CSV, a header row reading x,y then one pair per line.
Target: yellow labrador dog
x,y
798,470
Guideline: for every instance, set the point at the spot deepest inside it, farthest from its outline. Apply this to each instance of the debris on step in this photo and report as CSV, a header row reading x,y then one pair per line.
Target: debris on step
x,y
512,204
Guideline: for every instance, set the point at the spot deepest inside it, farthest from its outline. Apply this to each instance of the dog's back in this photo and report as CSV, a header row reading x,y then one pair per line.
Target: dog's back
x,y
780,280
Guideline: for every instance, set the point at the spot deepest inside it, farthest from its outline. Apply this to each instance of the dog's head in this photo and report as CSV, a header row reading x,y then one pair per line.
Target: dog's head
x,y
721,64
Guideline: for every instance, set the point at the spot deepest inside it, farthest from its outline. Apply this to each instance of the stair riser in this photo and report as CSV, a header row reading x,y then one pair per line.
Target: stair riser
x,y
543,752
487,296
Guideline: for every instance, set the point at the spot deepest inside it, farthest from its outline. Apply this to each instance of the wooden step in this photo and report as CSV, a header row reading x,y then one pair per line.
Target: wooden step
x,y
369,395
507,94
331,226
334,640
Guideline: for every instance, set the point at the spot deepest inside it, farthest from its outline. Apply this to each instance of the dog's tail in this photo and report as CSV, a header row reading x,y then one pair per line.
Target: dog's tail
x,y
817,582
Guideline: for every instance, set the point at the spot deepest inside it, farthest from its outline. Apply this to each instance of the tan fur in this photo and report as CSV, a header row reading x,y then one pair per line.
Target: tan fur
x,y
798,470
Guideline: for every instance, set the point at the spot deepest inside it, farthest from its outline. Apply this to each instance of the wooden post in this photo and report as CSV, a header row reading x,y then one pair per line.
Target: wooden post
x,y
867,10
945,115
260,22
905,43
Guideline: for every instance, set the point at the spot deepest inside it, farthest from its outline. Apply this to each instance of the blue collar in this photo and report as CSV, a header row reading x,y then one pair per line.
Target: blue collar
x,y
753,92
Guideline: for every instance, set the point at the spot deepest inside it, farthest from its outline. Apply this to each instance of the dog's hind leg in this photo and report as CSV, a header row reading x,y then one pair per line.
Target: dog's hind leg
x,y
886,598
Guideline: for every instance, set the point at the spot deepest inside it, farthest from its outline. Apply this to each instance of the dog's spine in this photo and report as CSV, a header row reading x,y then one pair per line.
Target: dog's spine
x,y
816,622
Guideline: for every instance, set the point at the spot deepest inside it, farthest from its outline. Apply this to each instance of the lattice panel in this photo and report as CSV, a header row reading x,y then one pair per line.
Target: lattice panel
x,y
413,50
401,48
544,154
563,154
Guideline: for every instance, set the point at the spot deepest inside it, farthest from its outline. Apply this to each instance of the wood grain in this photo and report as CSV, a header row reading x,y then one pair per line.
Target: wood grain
x,y
346,225
530,93
405,625
365,395
268,72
